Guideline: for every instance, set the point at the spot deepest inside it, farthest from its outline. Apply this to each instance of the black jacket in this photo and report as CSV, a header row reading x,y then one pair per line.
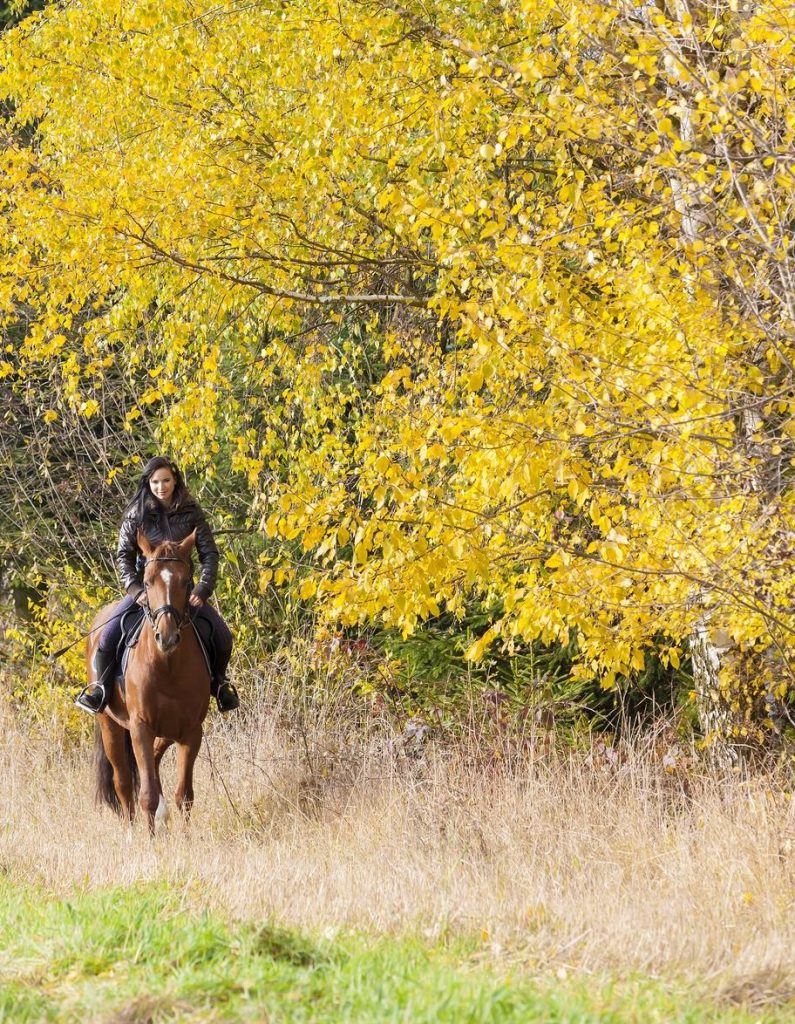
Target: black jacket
x,y
166,524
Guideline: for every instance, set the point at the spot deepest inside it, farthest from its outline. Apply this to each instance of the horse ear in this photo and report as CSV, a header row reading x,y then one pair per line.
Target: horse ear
x,y
143,543
186,546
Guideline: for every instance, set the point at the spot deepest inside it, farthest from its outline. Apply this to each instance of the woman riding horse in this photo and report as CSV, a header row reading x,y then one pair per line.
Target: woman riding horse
x,y
163,510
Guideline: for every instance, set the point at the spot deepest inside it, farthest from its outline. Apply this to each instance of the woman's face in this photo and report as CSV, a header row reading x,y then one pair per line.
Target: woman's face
x,y
162,484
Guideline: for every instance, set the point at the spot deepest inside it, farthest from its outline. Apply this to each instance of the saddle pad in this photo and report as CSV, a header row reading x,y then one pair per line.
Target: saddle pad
x,y
131,624
205,632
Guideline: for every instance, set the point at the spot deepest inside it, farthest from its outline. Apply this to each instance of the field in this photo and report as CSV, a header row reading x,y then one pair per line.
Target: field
x,y
468,330
323,878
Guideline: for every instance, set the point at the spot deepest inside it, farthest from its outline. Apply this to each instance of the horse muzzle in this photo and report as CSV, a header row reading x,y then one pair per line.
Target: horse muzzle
x,y
169,642
165,638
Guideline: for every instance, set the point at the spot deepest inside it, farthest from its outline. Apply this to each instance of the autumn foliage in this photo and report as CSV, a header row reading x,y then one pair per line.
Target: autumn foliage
x,y
479,302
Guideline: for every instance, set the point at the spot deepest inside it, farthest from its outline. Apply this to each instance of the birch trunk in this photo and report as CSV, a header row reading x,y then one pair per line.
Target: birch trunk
x,y
711,647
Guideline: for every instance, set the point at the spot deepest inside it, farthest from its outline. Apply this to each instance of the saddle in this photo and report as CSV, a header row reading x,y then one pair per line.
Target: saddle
x,y
131,625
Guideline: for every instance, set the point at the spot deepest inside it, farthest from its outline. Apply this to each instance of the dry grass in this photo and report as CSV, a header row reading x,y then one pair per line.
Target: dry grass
x,y
564,861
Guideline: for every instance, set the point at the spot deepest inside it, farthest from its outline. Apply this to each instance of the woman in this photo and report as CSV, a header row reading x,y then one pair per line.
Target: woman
x,y
163,509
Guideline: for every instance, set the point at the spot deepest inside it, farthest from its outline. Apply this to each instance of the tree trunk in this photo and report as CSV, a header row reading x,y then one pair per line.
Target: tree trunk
x,y
725,695
715,714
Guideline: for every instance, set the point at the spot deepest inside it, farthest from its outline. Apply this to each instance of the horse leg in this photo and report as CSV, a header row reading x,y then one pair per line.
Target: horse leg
x,y
143,740
161,746
187,752
114,746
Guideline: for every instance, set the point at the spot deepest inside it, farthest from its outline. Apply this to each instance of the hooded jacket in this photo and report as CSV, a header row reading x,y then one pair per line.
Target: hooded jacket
x,y
159,526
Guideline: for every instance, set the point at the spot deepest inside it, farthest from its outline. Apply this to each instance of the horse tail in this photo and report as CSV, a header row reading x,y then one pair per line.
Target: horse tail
x,y
106,791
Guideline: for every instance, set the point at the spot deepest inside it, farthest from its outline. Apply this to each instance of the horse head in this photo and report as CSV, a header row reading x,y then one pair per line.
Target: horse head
x,y
167,576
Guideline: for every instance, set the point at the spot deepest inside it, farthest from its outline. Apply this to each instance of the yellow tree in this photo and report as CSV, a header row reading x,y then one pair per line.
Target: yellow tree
x,y
515,280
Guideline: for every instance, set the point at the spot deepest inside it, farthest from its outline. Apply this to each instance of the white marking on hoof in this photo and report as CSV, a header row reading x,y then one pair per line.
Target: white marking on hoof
x,y
163,813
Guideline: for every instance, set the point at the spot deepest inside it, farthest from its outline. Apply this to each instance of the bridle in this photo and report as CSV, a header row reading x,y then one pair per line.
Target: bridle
x,y
182,618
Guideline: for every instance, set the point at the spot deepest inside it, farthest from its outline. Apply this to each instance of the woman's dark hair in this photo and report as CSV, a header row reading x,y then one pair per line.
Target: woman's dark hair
x,y
143,501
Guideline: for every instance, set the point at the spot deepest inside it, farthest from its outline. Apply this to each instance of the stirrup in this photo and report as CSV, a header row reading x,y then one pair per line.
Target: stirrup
x,y
92,698
226,696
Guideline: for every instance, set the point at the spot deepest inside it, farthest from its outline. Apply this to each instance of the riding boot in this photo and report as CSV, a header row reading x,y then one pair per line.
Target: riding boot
x,y
225,694
94,697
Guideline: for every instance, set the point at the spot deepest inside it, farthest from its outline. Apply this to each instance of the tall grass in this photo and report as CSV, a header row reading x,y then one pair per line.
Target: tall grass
x,y
621,859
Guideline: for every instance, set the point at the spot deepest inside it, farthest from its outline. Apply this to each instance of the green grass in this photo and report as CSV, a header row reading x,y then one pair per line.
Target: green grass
x,y
141,956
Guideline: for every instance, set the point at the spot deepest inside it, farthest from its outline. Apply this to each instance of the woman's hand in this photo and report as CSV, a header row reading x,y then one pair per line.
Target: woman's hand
x,y
196,601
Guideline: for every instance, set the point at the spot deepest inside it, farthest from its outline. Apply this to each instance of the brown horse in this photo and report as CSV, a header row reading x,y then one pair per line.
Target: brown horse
x,y
166,693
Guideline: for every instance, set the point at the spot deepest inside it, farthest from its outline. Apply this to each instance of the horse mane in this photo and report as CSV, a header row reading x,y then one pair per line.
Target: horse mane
x,y
168,549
